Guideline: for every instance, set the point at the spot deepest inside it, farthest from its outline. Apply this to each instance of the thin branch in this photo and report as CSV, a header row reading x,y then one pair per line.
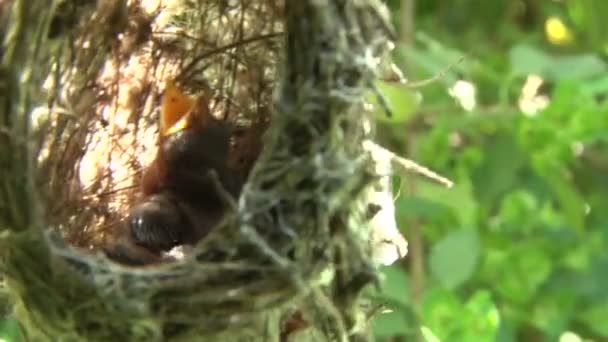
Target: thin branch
x,y
404,164
440,75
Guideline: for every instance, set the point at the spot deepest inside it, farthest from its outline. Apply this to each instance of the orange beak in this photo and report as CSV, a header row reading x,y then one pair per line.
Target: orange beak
x,y
175,107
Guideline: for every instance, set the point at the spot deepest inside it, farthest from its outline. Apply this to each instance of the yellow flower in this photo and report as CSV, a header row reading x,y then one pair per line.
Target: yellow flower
x,y
557,32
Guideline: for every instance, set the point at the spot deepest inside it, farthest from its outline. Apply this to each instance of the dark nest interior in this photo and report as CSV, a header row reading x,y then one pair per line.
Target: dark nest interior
x,y
288,255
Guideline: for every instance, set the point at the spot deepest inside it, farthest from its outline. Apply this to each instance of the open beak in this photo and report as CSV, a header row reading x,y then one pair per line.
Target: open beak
x,y
175,107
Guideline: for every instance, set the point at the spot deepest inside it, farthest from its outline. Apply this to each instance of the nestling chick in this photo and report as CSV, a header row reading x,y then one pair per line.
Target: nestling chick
x,y
181,201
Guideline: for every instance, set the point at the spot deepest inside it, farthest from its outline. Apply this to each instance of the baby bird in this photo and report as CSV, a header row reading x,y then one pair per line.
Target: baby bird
x,y
182,201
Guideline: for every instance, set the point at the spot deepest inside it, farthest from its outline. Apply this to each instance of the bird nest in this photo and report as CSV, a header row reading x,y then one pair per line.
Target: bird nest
x,y
291,255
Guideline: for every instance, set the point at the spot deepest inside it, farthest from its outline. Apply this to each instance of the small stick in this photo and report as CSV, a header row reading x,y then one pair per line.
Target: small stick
x,y
225,196
440,75
403,164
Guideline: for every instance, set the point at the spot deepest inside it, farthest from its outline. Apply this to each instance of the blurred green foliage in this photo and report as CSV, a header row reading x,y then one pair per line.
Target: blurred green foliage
x,y
9,330
518,249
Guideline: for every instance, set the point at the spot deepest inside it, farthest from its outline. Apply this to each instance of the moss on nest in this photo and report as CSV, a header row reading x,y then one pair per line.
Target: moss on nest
x,y
296,242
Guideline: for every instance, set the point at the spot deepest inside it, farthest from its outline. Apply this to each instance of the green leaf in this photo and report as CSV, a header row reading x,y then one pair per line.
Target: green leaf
x,y
519,212
589,16
526,60
570,201
394,293
498,173
579,67
553,310
483,318
428,335
477,320
391,324
596,318
521,272
10,331
454,259
578,257
441,313
596,87
395,286
401,100
459,198
416,207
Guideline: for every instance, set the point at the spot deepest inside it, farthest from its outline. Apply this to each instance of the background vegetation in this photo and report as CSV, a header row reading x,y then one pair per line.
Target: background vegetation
x,y
518,250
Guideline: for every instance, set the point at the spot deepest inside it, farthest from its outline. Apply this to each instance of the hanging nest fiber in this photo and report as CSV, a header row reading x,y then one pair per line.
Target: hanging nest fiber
x,y
79,97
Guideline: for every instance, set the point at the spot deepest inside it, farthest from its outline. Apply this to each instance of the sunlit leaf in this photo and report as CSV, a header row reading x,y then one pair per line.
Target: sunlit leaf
x,y
401,100
454,259
569,336
10,330
442,312
477,320
483,318
428,335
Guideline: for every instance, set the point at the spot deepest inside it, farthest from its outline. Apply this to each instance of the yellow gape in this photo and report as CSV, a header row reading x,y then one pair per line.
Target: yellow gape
x,y
175,106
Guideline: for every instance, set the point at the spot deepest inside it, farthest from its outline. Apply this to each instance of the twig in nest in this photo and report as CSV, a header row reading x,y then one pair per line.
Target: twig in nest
x,y
187,70
403,164
225,196
249,231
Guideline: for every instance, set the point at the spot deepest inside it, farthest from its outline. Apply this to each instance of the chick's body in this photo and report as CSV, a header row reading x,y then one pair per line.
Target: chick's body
x,y
191,153
182,201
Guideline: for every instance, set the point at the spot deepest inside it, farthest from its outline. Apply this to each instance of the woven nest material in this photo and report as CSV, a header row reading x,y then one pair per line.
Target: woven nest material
x,y
293,253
